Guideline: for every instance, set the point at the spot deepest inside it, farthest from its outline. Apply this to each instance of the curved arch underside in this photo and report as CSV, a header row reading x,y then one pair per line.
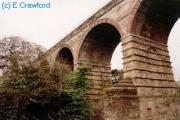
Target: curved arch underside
x,y
155,19
65,59
100,43
96,51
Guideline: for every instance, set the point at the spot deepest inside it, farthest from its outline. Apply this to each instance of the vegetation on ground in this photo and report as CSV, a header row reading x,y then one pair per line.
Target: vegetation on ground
x,y
31,92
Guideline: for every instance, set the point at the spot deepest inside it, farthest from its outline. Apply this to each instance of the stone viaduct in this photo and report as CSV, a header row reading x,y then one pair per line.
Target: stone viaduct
x,y
143,27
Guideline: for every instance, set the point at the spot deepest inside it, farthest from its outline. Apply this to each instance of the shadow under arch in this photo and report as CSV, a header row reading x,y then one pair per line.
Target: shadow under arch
x,y
99,44
108,21
107,28
97,48
154,19
152,24
65,59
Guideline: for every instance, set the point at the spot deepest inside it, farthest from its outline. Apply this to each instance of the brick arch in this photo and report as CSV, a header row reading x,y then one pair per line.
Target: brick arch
x,y
104,20
154,19
65,46
65,57
98,22
97,46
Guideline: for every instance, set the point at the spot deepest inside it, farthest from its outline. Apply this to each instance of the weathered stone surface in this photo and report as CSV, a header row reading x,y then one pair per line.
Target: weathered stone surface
x,y
143,27
122,102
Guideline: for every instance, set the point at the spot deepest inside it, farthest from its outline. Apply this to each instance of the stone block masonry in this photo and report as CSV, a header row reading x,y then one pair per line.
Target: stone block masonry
x,y
148,76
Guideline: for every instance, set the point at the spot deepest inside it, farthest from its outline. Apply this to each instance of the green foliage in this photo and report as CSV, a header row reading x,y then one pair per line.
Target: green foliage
x,y
13,47
74,105
77,80
31,92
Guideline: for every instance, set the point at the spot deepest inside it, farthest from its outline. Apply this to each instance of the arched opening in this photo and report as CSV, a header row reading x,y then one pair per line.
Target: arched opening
x,y
65,59
152,25
100,43
117,65
155,19
97,50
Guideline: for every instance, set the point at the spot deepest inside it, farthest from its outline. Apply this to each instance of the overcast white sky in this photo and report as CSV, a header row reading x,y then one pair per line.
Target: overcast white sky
x,y
47,26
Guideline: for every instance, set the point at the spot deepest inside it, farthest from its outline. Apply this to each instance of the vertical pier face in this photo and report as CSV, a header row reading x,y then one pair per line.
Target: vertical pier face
x,y
147,63
146,56
96,51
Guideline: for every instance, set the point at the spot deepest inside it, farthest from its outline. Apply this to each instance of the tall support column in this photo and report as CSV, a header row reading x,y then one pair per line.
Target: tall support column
x,y
147,64
100,76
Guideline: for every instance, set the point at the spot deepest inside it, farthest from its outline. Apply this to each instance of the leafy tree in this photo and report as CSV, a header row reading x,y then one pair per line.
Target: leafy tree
x,y
31,92
74,104
11,47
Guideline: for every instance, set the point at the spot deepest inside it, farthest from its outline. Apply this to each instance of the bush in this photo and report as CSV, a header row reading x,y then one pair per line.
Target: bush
x,y
74,105
34,93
